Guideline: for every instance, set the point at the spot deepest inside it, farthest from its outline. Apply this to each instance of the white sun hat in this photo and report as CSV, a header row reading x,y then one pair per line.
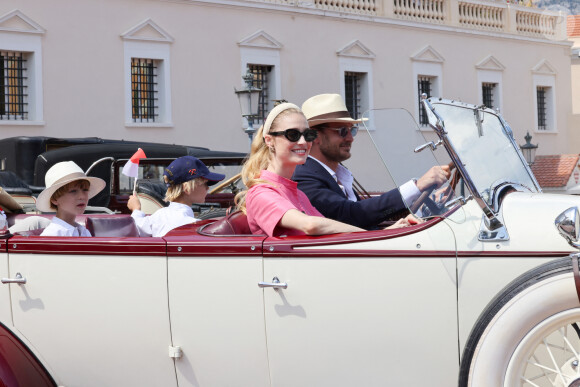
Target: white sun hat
x,y
61,174
327,108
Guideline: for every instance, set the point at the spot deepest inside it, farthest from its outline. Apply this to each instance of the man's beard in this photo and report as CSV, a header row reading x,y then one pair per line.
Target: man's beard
x,y
334,153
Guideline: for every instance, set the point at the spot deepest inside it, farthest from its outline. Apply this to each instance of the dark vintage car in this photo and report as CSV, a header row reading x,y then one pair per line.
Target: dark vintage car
x,y
24,162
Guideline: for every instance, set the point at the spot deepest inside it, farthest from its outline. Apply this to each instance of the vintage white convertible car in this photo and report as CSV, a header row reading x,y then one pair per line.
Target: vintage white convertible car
x,y
485,292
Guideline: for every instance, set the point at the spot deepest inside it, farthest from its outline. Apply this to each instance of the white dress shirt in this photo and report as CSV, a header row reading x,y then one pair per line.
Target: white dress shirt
x,y
344,178
59,227
164,220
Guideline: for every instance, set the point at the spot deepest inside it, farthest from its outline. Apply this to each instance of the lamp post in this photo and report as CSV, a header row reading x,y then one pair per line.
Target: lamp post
x,y
249,98
529,149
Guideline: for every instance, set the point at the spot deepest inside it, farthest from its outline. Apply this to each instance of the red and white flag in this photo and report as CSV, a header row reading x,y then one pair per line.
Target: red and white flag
x,y
131,169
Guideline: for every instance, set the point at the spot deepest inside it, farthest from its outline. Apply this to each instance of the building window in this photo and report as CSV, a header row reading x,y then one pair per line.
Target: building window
x,y
424,86
541,94
544,97
352,93
488,94
356,84
144,90
21,93
262,81
13,89
147,81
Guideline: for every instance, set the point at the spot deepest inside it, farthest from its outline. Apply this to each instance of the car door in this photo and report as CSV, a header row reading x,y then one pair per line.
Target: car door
x,y
94,310
363,309
217,310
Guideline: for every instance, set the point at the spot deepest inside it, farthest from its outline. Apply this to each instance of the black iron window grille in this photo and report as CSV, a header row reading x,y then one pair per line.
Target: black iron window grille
x,y
424,87
261,80
144,90
13,88
487,90
352,85
541,96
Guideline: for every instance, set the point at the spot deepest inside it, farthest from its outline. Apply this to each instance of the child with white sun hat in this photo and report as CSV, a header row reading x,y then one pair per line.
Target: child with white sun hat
x,y
68,190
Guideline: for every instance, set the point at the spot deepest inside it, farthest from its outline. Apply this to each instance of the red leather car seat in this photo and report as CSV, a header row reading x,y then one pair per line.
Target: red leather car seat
x,y
112,226
235,223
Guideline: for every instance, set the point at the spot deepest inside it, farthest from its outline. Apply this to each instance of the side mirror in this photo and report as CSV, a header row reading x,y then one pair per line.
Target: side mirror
x,y
568,225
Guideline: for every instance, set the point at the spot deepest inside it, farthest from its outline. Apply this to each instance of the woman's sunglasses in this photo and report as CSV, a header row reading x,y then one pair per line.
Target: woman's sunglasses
x,y
294,135
343,131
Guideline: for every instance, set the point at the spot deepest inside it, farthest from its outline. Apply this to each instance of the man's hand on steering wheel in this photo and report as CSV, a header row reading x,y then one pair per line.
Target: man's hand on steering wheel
x,y
435,177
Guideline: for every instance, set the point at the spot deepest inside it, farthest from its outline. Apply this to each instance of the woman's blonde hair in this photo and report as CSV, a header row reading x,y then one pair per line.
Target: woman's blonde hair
x,y
175,191
260,154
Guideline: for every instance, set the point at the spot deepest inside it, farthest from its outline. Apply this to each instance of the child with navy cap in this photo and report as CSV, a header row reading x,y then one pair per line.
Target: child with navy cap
x,y
187,179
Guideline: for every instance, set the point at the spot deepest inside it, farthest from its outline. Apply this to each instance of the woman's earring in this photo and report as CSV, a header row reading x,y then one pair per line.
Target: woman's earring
x,y
272,149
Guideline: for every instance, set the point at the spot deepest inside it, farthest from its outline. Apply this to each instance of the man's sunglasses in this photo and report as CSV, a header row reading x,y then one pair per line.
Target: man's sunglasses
x,y
294,135
343,131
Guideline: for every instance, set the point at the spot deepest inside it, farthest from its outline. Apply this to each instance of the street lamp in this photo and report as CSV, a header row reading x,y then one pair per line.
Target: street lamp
x,y
249,103
529,149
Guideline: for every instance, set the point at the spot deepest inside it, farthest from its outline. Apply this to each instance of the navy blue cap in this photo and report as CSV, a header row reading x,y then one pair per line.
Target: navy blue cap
x,y
187,168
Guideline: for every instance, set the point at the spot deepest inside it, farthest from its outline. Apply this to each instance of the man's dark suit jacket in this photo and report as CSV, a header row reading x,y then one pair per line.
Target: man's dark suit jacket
x,y
325,194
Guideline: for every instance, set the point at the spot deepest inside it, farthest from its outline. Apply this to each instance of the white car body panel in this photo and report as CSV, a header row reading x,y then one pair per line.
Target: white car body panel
x,y
217,316
95,320
348,321
356,315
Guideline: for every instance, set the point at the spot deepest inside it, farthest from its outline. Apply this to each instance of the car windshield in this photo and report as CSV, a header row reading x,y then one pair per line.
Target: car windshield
x,y
477,139
486,149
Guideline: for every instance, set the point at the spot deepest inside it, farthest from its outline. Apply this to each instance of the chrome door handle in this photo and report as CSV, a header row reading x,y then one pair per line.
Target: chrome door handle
x,y
18,280
276,284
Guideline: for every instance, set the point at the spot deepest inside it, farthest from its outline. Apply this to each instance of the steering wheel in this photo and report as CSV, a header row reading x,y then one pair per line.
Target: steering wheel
x,y
424,198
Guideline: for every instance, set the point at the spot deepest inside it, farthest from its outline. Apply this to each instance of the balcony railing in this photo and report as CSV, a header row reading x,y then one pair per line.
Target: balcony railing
x,y
487,15
431,11
365,7
482,16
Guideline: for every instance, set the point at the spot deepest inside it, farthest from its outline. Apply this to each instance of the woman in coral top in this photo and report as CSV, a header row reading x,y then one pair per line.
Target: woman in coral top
x,y
273,203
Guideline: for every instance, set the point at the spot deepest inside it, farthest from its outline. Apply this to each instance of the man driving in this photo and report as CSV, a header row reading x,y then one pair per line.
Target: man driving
x,y
328,184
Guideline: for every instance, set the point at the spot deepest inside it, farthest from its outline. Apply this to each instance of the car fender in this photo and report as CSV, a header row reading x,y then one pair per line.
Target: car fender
x,y
18,365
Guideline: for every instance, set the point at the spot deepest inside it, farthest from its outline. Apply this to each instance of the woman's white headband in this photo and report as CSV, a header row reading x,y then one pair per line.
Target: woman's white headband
x,y
274,113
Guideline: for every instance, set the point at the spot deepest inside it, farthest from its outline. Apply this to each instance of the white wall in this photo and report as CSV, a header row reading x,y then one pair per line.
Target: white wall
x,y
83,80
